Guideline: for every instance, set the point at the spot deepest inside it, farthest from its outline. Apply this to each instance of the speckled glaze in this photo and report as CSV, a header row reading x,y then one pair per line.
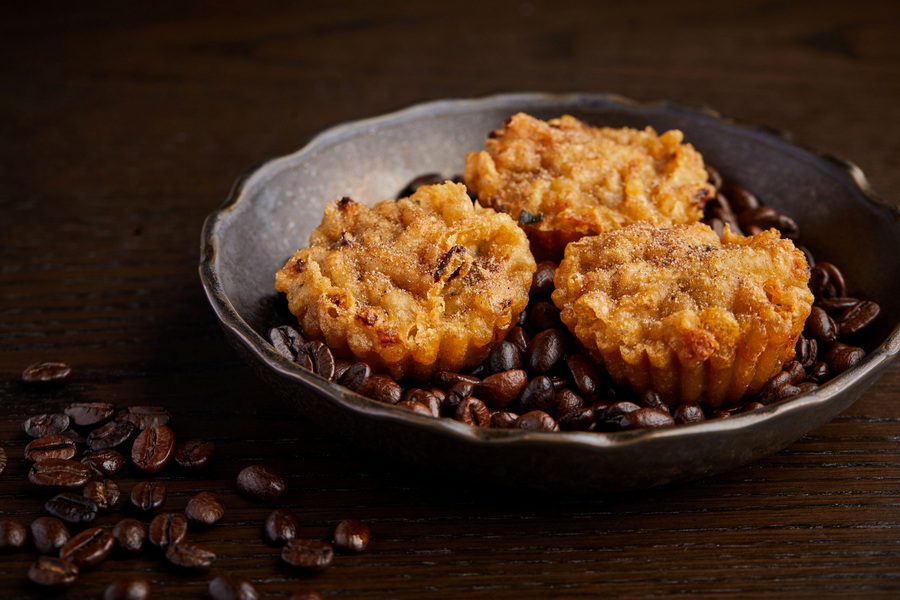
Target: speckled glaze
x,y
271,211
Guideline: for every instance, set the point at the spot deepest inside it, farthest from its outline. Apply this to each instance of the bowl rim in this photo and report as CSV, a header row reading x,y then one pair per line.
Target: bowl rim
x,y
872,365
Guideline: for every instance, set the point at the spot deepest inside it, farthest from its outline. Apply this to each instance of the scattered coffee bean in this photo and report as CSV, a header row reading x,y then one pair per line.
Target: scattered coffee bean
x,y
258,482
646,418
46,424
145,417
72,508
321,358
652,399
503,419
427,179
740,198
13,534
356,378
501,389
537,420
504,356
104,493
858,317
52,572
537,395
232,587
547,348
111,435
518,337
88,548
153,448
190,557
351,536
567,401
281,525
806,351
167,529
194,454
47,373
544,315
58,474
820,326
384,389
580,420
48,534
286,340
148,495
103,463
688,413
842,357
473,411
542,281
584,373
416,407
818,372
50,446
311,556
128,588
835,306
87,414
130,535
206,508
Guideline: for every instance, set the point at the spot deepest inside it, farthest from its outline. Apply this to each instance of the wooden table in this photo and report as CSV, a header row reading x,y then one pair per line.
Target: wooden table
x,y
123,126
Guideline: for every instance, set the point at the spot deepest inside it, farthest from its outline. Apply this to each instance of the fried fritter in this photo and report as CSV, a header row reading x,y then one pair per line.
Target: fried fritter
x,y
425,283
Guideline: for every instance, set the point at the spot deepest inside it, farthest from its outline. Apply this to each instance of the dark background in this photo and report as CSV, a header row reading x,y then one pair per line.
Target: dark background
x,y
123,125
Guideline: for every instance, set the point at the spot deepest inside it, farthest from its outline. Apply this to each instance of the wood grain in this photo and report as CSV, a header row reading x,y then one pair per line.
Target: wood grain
x,y
123,126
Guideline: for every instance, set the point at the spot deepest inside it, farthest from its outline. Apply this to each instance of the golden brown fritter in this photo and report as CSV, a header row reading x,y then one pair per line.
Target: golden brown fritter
x,y
424,283
581,180
679,311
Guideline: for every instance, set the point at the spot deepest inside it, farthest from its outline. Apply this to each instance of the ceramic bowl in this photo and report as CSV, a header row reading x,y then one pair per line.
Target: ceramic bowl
x,y
272,210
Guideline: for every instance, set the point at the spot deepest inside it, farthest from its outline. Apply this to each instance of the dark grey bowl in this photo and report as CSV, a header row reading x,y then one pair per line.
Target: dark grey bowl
x,y
271,212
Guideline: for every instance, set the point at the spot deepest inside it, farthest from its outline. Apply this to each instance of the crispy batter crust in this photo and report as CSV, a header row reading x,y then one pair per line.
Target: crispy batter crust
x,y
425,283
586,180
681,312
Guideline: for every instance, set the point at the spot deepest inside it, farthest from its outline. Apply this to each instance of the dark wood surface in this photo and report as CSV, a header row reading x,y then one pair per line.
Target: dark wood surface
x,y
124,125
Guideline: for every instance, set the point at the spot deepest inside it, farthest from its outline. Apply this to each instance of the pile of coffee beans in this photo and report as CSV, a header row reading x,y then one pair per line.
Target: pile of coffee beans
x,y
75,456
538,378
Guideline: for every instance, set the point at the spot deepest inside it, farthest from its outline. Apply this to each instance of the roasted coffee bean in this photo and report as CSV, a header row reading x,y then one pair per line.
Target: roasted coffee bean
x,y
807,386
48,534
782,392
752,407
304,360
145,417
111,435
153,448
500,389
835,286
47,373
688,413
447,379
504,356
351,536
340,367
104,493
306,595
473,411
52,572
717,225
74,436
167,529
503,419
858,317
206,508
820,326
58,474
567,401
356,378
544,315
50,446
806,351
537,395
714,177
818,372
739,197
46,424
542,280
103,463
384,389
232,587
281,525
13,534
537,420
423,398
311,556
760,216
646,418
190,557
88,548
773,383
518,337
796,372
87,414
810,259
130,535
546,350
584,373
614,414
580,420
652,399
426,179
286,340
751,230
321,357
842,357
194,454
148,495
128,588
72,508
836,306
259,482
454,396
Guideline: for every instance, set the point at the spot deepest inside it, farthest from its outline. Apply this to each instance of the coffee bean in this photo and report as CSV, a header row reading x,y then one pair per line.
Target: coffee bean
x,y
88,548
232,587
447,379
753,407
646,418
306,595
167,529
416,407
546,349
782,392
858,317
504,356
103,463
503,419
206,508
842,357
74,436
48,534
518,337
13,534
46,424
740,198
544,315
807,386
145,417
580,420
584,373
500,389
357,377
688,413
190,557
321,357
50,446
542,280
281,525
52,572
130,535
58,474
455,395
761,216
111,435
835,286
194,454
566,401
128,588
47,373
153,448
613,415
87,414
537,420
286,340
426,399
820,326
652,399
258,482
806,351
72,508
773,383
427,179
837,305
311,556
148,495
351,536
473,411
818,372
384,389
104,493
537,395
714,177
